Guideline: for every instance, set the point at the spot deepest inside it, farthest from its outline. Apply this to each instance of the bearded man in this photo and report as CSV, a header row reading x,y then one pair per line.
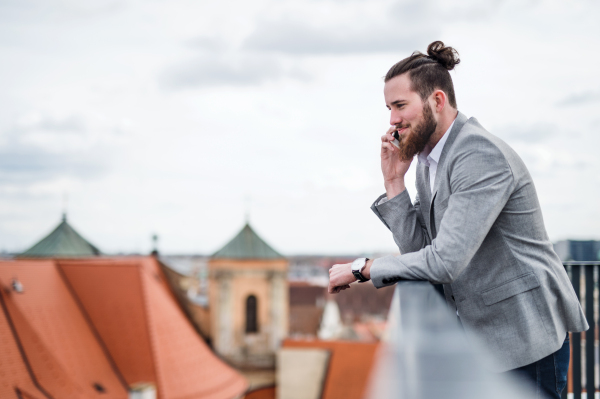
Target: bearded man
x,y
475,226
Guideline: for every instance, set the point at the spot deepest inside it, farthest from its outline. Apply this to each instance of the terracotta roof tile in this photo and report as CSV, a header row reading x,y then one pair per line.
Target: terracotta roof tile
x,y
162,346
64,354
106,321
119,317
187,366
262,393
349,366
13,370
26,395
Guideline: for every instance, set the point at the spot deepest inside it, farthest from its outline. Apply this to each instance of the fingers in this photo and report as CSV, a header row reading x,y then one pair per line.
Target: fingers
x,y
388,136
336,290
340,277
388,147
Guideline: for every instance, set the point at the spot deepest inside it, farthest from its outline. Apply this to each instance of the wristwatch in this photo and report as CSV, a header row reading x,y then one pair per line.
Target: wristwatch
x,y
357,267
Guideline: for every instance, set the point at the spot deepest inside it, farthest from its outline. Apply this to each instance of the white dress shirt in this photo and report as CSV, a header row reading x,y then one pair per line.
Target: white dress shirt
x,y
431,157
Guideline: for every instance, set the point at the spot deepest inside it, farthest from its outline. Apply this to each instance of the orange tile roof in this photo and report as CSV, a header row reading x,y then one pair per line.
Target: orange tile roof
x,y
25,395
111,321
349,366
149,335
262,393
14,376
112,294
65,355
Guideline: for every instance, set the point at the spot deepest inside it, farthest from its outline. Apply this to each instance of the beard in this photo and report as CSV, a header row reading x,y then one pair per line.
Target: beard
x,y
415,141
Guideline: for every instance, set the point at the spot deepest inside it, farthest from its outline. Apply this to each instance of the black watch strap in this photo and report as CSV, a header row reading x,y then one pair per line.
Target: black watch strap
x,y
359,276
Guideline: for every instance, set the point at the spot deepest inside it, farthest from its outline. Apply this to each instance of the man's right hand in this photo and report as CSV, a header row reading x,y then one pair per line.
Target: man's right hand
x,y
392,167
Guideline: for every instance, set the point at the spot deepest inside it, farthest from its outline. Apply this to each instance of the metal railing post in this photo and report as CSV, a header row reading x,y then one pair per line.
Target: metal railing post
x,y
590,371
590,269
576,337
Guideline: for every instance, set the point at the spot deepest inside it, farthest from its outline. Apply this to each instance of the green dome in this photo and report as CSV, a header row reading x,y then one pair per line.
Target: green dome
x,y
247,245
62,242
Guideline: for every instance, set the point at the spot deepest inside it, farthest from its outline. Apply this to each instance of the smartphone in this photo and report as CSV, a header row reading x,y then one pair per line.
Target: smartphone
x,y
396,141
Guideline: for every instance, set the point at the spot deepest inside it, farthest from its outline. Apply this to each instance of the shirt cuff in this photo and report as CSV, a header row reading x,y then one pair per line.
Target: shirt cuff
x,y
382,201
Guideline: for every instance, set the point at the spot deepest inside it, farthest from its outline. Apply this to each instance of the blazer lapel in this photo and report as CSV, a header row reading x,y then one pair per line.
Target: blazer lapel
x,y
459,122
424,191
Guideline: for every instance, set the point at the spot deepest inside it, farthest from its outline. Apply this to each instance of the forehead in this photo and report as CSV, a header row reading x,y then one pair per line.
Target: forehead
x,y
398,88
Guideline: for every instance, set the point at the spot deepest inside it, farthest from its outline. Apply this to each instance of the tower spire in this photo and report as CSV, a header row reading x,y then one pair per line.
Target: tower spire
x,y
65,204
248,201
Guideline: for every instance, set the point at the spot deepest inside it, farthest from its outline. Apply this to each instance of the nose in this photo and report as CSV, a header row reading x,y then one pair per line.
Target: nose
x,y
395,118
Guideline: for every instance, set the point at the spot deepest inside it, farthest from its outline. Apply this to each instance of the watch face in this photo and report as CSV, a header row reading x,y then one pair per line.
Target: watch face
x,y
358,264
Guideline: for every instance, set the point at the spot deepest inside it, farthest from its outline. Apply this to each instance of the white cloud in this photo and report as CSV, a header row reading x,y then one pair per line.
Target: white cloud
x,y
282,102
209,70
579,99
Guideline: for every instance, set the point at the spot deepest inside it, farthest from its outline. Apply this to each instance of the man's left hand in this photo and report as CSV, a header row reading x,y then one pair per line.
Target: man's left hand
x,y
340,278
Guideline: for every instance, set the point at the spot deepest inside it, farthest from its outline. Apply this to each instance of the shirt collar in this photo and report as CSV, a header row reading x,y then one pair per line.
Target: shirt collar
x,y
429,155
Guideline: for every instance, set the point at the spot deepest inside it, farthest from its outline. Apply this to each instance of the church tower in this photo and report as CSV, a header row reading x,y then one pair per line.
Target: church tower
x,y
248,295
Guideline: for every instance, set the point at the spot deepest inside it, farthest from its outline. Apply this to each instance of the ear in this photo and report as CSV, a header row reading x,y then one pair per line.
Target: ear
x,y
440,100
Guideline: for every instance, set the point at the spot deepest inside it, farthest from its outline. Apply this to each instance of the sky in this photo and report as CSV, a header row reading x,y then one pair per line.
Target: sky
x,y
186,118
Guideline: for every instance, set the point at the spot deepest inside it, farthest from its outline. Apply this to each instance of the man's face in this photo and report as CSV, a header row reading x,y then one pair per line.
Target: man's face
x,y
413,118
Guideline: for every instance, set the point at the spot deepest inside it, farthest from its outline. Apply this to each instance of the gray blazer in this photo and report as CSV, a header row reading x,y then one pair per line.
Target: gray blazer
x,y
482,235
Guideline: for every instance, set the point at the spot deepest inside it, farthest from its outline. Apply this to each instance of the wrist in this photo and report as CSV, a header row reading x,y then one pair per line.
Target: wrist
x,y
357,267
394,187
366,271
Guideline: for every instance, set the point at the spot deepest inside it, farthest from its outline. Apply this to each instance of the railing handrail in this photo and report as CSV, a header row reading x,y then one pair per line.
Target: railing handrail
x,y
426,354
581,263
417,348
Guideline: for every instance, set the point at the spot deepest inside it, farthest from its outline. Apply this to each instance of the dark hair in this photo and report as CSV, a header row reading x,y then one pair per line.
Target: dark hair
x,y
429,72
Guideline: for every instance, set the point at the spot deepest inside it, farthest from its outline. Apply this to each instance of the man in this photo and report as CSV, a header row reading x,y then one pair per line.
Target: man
x,y
475,226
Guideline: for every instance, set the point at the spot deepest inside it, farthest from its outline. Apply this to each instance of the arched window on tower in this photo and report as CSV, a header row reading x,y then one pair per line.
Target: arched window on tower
x,y
251,316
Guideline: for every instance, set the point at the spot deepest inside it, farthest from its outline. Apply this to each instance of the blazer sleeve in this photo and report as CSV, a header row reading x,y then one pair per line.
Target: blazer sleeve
x,y
481,182
405,221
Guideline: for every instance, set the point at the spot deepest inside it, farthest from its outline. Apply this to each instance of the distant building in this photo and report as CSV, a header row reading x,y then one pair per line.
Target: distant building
x,y
324,369
577,250
190,288
307,303
62,242
248,300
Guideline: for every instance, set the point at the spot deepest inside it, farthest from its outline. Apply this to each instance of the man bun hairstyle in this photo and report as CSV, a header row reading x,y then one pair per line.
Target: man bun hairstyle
x,y
429,72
